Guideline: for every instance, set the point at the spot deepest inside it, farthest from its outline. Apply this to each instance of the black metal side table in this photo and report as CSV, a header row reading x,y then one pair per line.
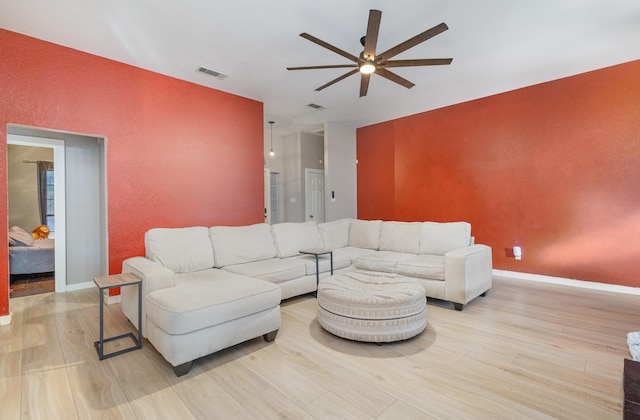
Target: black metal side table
x,y
317,253
109,282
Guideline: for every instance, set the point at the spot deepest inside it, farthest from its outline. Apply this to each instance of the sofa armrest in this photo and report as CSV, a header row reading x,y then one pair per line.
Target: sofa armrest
x,y
467,273
154,277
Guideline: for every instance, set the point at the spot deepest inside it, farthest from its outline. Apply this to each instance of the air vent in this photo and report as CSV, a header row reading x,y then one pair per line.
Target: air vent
x,y
213,73
315,106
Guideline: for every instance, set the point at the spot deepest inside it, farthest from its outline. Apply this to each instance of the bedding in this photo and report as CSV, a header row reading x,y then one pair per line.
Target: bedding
x,y
30,256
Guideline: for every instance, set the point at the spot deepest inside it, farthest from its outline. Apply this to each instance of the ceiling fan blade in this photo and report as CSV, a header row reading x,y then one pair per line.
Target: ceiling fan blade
x,y
330,47
419,62
412,42
371,38
364,84
344,76
394,78
335,66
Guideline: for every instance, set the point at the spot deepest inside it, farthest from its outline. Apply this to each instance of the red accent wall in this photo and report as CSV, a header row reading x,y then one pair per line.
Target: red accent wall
x,y
554,168
178,154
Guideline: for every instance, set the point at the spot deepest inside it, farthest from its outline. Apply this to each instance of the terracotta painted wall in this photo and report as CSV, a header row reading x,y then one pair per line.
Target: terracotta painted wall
x,y
554,168
178,154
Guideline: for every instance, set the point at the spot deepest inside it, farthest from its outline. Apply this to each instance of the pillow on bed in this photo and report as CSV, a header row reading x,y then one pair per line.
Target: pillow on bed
x,y
20,237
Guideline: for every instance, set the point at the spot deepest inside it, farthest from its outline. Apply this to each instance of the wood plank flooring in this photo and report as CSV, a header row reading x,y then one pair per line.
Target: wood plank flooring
x,y
527,350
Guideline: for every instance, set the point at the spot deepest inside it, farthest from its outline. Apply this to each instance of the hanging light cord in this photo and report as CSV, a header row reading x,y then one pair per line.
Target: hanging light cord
x,y
271,152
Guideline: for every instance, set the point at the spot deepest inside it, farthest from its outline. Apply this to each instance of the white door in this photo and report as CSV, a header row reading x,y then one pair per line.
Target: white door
x,y
314,195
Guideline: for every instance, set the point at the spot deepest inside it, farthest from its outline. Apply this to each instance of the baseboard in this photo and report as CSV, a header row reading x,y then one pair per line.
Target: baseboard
x,y
569,282
110,300
5,319
79,286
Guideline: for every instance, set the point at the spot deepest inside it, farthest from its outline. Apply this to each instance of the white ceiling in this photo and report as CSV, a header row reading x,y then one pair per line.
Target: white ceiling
x,y
496,45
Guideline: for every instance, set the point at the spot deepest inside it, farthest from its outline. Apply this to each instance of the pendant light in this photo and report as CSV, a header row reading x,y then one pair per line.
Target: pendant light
x,y
271,152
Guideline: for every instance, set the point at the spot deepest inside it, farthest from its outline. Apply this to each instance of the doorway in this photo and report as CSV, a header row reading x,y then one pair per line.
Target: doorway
x,y
314,195
31,218
81,246
271,196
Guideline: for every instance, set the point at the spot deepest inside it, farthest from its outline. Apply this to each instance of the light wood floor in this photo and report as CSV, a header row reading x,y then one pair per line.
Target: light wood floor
x,y
527,350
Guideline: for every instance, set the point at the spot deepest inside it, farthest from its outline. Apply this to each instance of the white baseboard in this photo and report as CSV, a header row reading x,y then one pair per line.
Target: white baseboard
x,y
79,286
110,300
569,282
5,319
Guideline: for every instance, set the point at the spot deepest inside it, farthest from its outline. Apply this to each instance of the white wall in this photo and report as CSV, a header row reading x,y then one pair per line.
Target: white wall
x,y
276,164
85,210
340,171
293,203
296,151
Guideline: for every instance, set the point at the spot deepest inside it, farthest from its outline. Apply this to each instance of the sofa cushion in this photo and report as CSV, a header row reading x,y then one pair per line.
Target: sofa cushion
x,y
384,261
350,253
206,298
181,250
241,244
365,233
400,237
335,234
275,270
422,266
290,238
440,238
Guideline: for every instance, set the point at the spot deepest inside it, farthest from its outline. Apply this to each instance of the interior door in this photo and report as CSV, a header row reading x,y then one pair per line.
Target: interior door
x,y
314,195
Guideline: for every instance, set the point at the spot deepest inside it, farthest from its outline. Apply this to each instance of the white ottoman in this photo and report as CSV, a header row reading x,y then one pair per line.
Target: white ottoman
x,y
369,308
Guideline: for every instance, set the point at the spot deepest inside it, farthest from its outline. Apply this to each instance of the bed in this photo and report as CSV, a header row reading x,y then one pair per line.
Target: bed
x,y
29,256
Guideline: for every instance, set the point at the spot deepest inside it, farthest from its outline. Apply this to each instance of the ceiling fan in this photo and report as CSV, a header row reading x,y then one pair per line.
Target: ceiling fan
x,y
369,63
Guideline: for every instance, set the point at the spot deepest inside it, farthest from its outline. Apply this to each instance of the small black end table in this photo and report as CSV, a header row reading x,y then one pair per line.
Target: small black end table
x,y
109,282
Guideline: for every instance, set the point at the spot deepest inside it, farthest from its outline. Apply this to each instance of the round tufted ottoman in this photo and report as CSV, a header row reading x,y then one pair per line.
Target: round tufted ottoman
x,y
377,309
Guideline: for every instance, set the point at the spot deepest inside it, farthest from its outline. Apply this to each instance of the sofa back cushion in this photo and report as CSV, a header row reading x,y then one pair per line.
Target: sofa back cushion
x,y
335,235
241,244
365,233
440,238
400,237
290,238
181,250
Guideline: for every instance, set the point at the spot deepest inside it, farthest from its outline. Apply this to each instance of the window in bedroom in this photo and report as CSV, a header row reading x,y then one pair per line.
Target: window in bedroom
x,y
46,195
51,220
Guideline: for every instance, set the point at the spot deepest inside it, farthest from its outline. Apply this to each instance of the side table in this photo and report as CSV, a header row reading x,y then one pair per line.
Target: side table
x,y
109,282
317,253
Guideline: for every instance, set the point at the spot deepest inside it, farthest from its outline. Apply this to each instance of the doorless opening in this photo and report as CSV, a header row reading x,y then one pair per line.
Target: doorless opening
x,y
81,250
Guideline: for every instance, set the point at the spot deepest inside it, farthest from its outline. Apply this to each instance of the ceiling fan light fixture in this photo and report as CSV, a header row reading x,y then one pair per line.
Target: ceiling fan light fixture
x,y
367,67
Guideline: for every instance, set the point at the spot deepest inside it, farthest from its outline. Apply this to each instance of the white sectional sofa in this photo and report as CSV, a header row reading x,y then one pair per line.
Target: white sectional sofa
x,y
205,289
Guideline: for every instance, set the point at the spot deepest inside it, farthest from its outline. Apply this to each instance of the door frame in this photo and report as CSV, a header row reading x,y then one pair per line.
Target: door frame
x,y
32,136
267,196
307,172
60,255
